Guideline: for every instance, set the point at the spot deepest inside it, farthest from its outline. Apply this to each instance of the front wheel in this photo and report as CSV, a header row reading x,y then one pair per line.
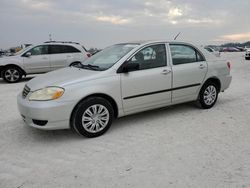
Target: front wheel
x,y
208,95
12,74
92,117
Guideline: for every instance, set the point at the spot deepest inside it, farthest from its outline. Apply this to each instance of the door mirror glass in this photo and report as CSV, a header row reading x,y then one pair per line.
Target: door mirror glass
x,y
28,54
130,67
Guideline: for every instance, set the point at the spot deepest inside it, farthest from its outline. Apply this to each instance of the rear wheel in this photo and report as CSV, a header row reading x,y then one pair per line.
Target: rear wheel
x,y
208,95
92,117
12,74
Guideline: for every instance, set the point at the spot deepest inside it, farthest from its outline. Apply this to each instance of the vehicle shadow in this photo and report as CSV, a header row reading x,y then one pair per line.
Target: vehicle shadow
x,y
118,126
24,132
155,114
41,136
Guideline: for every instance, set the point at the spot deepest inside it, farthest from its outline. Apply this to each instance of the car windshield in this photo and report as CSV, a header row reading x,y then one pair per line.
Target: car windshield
x,y
108,57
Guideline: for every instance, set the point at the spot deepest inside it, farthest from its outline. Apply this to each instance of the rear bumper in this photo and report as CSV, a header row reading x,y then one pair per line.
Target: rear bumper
x,y
225,82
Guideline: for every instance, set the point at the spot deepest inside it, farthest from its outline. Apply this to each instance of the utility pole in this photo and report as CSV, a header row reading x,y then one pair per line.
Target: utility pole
x,y
50,37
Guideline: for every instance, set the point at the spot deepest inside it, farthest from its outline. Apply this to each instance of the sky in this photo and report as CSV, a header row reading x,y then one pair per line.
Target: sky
x,y
100,23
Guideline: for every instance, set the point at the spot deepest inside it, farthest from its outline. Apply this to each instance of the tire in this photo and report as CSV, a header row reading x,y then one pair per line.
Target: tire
x,y
92,117
12,74
75,64
208,95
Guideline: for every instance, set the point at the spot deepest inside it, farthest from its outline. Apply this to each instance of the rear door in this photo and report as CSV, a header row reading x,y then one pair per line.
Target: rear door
x,y
150,86
39,61
63,55
189,70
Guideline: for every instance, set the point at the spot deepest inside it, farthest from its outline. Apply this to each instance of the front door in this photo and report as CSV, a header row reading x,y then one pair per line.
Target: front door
x,y
38,61
150,85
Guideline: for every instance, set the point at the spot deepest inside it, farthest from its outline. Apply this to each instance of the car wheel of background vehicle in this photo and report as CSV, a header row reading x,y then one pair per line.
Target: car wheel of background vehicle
x,y
12,74
208,95
75,64
92,117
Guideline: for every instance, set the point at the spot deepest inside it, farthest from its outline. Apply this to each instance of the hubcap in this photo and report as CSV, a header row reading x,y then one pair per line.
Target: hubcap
x,y
11,75
95,118
209,95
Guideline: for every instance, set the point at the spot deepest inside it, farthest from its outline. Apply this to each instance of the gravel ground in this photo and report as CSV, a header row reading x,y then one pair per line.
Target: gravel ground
x,y
178,146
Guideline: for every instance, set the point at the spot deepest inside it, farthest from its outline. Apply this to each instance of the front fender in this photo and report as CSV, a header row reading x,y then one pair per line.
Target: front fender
x,y
109,86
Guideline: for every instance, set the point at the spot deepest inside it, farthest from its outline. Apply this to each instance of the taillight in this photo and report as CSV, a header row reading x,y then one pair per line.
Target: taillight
x,y
229,65
88,54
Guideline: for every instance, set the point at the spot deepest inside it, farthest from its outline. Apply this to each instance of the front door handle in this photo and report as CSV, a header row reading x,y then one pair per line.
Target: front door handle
x,y
165,72
202,66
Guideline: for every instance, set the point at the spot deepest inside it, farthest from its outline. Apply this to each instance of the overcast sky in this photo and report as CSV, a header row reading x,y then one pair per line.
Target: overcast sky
x,y
98,23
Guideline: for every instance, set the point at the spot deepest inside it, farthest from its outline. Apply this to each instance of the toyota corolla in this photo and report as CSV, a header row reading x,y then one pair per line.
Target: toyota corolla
x,y
123,79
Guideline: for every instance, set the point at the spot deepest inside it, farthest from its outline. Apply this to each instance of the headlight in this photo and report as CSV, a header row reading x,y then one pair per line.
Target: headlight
x,y
45,94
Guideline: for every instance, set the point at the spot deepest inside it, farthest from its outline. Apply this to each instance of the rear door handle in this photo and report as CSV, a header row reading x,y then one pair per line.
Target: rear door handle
x,y
165,72
202,66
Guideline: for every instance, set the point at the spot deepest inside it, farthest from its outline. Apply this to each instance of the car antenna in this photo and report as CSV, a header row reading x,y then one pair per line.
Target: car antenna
x,y
177,36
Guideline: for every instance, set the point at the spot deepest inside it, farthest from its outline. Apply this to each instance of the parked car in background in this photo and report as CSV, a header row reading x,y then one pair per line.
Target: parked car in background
x,y
211,50
230,49
41,58
93,51
240,48
247,55
120,80
1,53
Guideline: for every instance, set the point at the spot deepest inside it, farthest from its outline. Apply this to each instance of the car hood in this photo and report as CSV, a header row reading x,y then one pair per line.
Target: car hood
x,y
8,59
62,78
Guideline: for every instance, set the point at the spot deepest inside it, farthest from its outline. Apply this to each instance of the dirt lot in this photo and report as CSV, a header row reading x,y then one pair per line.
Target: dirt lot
x,y
179,146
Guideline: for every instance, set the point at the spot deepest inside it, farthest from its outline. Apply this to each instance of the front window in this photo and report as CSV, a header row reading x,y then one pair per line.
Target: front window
x,y
108,57
39,50
150,57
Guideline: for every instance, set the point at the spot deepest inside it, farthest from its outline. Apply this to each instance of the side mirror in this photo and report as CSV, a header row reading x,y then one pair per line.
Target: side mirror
x,y
28,54
130,67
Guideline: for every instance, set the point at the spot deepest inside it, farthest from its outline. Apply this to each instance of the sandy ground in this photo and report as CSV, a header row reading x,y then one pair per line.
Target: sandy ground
x,y
179,146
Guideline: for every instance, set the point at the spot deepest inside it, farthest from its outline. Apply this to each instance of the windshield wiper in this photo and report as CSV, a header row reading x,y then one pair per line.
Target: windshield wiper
x,y
89,66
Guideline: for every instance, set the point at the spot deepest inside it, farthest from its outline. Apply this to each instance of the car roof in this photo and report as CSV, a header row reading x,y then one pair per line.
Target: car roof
x,y
145,42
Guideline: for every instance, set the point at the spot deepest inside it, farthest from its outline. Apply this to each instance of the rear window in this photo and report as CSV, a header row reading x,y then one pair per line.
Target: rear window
x,y
59,49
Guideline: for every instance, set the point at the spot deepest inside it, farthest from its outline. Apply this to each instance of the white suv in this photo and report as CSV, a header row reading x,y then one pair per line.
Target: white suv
x,y
120,80
41,58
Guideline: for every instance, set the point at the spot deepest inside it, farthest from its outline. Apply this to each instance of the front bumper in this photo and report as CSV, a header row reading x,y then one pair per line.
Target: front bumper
x,y
55,114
